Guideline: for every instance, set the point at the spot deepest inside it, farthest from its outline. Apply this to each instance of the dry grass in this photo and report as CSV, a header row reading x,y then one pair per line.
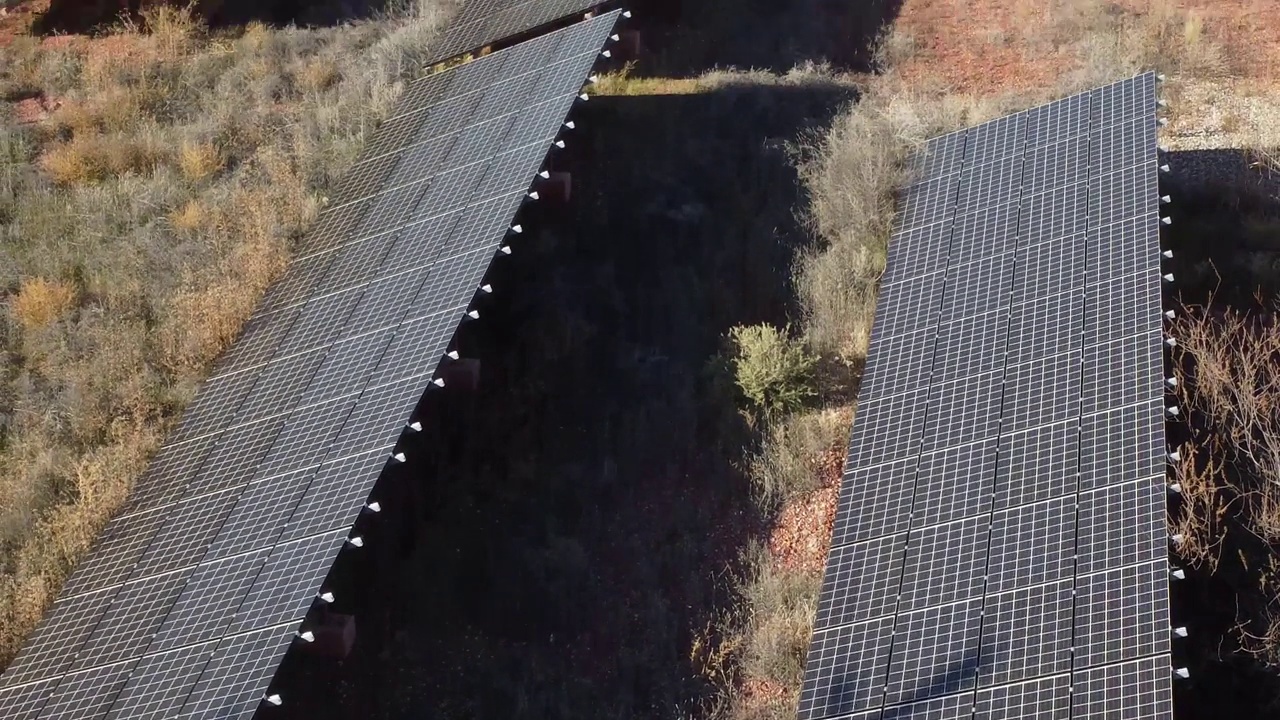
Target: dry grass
x,y
140,226
40,302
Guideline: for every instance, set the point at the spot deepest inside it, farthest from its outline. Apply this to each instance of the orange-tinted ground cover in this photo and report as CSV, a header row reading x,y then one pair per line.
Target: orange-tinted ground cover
x,y
990,47
802,533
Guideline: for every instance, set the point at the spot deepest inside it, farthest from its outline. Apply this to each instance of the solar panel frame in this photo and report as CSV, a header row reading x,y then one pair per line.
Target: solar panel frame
x,y
1023,274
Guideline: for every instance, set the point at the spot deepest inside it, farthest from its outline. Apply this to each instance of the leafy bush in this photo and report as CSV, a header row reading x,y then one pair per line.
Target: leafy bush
x,y
773,370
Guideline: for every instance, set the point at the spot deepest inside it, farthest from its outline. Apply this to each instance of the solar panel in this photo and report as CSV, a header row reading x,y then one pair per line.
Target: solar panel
x,y
188,601
485,22
999,548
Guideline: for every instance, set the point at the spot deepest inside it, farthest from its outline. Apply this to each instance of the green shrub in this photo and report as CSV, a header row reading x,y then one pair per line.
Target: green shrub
x,y
773,369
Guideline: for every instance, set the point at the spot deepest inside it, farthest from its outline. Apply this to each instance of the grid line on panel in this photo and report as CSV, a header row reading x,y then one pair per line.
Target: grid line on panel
x,y
946,707
1122,307
934,652
919,251
1123,372
944,564
845,669
1122,524
1041,392
954,484
1047,698
1146,683
1026,633
874,501
859,581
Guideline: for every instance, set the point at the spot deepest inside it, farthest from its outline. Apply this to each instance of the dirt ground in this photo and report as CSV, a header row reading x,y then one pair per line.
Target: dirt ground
x,y
989,47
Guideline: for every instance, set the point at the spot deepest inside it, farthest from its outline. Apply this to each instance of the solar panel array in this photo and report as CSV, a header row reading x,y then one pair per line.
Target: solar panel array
x,y
485,22
999,548
190,598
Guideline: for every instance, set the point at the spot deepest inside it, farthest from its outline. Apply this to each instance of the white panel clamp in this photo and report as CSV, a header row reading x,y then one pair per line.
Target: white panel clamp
x,y
1171,382
452,355
414,426
1180,631
1162,103
1178,574
613,37
533,195
1169,314
1162,121
399,457
517,229
1167,277
438,382
559,144
274,698
1165,199
1182,673
1177,538
374,507
569,125
487,289
356,541
307,635
606,54
1167,254
1175,456
505,249
1166,220
1164,168
474,315
325,597
1172,411
1176,488
1170,342
626,14
593,79
584,97
544,175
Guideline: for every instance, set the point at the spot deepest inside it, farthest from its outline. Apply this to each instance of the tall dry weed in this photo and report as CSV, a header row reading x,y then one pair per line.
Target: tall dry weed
x,y
42,301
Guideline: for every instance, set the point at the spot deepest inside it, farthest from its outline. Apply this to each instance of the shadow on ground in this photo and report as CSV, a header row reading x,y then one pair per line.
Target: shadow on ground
x,y
695,36
1226,228
580,515
1225,236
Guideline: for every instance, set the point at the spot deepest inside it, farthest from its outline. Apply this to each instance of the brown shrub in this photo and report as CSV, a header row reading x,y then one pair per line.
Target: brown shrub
x,y
199,161
42,301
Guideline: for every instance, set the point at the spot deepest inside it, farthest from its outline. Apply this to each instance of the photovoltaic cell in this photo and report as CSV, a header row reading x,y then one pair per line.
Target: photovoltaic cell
x,y
845,669
87,693
131,620
186,604
861,581
24,702
1045,697
1143,688
874,501
935,652
160,683
1003,501
237,674
1026,633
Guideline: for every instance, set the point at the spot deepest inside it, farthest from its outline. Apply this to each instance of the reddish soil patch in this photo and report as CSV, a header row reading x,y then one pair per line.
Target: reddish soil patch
x,y
990,47
973,45
802,534
16,20
33,110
